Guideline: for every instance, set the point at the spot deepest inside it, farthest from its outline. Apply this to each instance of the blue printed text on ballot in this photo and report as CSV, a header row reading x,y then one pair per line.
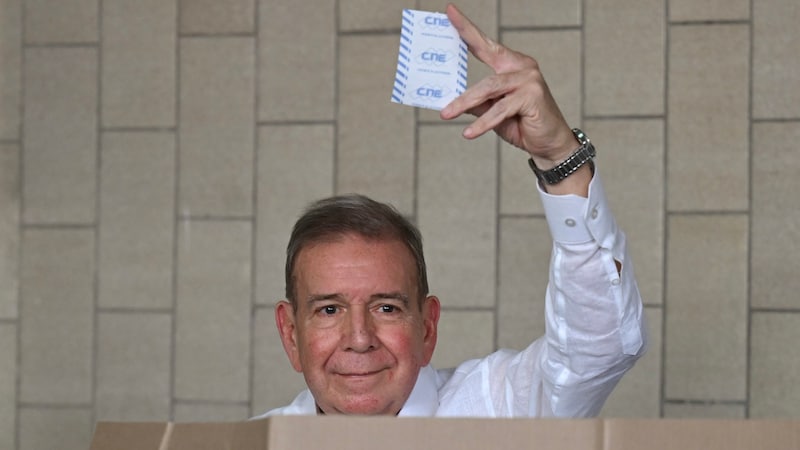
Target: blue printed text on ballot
x,y
430,92
435,57
437,21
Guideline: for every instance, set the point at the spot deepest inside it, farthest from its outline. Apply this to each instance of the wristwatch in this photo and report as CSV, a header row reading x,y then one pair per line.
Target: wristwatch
x,y
585,153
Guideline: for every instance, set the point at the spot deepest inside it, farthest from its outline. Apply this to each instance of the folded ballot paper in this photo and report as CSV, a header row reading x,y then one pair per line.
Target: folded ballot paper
x,y
431,62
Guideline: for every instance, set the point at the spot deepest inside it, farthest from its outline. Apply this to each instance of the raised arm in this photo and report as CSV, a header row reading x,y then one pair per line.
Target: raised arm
x,y
516,103
595,329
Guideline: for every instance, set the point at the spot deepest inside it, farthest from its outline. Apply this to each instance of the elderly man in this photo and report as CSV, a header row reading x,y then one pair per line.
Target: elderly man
x,y
360,325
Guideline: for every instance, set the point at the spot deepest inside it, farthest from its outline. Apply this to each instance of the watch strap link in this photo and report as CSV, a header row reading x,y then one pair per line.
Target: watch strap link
x,y
585,153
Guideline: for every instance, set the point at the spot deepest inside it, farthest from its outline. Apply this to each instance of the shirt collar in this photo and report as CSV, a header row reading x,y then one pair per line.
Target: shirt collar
x,y
424,399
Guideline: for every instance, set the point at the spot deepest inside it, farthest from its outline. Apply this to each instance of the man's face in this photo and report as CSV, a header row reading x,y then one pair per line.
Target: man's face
x,y
358,335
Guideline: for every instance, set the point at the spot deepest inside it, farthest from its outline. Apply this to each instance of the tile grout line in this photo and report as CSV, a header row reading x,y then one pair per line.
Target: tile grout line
x,y
498,148
749,251
97,214
175,215
214,218
20,231
220,35
289,122
337,67
254,210
704,402
703,23
665,217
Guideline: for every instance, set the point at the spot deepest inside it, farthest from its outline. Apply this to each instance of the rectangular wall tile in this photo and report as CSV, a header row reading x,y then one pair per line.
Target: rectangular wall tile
x,y
217,126
297,76
47,429
535,13
212,338
624,57
776,70
631,153
295,167
9,229
60,157
275,383
707,124
525,249
211,412
638,394
463,335
10,67
360,15
706,323
704,411
774,365
57,279
137,217
460,245
375,137
8,384
215,16
692,10
775,255
138,71
133,366
518,193
62,22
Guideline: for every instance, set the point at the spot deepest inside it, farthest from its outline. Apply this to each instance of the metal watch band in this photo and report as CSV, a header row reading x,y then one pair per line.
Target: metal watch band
x,y
585,153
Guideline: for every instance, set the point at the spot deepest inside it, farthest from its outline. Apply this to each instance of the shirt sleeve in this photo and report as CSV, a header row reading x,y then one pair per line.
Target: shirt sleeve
x,y
594,324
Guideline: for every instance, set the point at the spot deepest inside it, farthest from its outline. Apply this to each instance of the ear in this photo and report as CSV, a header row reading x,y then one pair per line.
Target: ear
x,y
430,318
287,328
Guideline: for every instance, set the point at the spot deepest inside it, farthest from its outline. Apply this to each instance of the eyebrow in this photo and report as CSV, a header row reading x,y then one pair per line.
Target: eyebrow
x,y
391,296
322,297
314,298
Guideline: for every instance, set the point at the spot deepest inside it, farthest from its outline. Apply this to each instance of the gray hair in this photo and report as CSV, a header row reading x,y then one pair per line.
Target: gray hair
x,y
331,218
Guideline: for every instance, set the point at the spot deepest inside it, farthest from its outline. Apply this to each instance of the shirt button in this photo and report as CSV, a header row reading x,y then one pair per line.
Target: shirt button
x,y
615,281
570,222
595,213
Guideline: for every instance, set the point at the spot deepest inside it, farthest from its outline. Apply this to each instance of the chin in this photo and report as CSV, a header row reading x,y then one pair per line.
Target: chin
x,y
366,408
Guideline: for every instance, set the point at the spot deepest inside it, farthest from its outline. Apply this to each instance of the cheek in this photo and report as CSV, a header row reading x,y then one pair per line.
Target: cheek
x,y
316,346
403,342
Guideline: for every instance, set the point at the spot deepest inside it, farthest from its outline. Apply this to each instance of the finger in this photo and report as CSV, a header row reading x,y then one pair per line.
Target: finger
x,y
485,91
478,43
492,117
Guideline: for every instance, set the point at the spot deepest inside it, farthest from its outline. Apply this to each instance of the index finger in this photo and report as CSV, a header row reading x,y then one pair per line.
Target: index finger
x,y
480,45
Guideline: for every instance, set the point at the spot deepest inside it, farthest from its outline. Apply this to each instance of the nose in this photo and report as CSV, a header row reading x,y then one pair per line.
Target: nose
x,y
360,330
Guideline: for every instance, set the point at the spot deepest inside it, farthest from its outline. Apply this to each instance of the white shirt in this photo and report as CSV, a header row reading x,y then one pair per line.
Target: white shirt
x,y
594,332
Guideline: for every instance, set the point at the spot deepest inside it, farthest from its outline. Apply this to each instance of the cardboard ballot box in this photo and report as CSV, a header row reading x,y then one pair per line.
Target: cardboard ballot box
x,y
392,433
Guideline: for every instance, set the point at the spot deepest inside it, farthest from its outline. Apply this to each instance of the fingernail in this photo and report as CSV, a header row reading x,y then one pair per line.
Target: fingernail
x,y
468,132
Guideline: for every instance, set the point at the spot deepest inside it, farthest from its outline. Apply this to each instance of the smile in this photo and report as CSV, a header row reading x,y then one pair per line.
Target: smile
x,y
361,374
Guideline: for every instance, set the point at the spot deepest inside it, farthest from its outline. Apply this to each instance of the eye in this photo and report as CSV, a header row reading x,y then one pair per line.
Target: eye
x,y
329,310
388,308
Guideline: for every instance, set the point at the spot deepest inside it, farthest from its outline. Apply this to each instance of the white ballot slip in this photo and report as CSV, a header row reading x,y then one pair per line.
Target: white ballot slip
x,y
431,62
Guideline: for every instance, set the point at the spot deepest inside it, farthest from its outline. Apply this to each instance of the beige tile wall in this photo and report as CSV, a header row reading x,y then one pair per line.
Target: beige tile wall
x,y
153,156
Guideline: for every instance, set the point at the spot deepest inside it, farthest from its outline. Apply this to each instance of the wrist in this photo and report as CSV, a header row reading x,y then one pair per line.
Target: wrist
x,y
561,147
557,171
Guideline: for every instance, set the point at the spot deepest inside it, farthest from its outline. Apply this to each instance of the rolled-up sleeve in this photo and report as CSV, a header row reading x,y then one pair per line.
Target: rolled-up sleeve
x,y
594,322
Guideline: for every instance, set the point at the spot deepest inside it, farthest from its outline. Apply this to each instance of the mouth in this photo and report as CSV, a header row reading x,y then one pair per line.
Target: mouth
x,y
356,375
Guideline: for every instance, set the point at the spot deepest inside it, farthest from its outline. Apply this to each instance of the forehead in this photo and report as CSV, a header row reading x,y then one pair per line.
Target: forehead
x,y
354,258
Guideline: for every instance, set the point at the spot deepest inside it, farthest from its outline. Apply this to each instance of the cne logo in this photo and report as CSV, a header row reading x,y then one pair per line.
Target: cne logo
x,y
437,21
435,57
431,92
